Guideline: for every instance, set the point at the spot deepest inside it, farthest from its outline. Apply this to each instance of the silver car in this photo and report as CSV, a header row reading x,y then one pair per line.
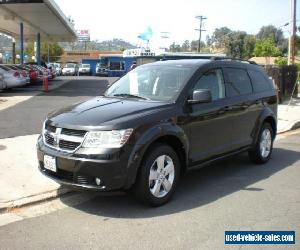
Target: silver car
x,y
23,73
2,86
12,78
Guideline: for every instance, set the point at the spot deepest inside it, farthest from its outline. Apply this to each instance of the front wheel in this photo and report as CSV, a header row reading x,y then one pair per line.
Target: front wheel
x,y
261,152
158,176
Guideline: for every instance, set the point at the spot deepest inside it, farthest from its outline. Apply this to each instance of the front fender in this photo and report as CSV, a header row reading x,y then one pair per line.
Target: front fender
x,y
143,143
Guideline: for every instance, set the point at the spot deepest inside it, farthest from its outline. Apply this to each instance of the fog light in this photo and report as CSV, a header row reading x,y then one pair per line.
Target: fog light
x,y
98,181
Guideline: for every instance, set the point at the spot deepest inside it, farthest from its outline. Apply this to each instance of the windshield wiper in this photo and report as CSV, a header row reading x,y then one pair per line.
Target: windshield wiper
x,y
131,96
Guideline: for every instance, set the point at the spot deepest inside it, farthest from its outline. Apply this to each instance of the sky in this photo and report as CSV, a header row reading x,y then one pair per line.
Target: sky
x,y
127,19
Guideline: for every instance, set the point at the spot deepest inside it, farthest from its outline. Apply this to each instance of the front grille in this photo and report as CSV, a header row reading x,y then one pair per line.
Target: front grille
x,y
49,140
62,138
73,132
68,145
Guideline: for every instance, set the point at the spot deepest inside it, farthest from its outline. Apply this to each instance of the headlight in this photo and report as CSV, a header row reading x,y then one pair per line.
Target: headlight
x,y
107,139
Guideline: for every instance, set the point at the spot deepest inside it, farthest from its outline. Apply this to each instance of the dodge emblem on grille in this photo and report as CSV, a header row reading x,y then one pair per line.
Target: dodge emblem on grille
x,y
56,137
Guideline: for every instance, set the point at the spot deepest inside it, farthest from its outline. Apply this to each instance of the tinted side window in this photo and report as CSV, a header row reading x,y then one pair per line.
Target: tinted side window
x,y
212,80
239,81
259,82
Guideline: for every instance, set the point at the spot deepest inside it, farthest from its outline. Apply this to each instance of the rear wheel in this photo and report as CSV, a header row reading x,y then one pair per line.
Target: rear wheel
x,y
262,150
158,176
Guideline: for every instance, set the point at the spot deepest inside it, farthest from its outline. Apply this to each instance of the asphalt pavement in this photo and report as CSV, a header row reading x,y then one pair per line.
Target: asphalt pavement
x,y
230,195
26,117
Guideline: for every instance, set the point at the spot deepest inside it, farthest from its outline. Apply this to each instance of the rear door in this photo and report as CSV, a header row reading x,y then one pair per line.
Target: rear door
x,y
243,107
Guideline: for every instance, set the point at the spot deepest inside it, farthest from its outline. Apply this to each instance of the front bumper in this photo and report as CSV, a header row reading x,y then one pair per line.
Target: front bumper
x,y
79,169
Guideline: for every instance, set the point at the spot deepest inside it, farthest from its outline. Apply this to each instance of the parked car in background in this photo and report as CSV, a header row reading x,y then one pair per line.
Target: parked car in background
x,y
158,121
84,69
70,69
56,67
52,72
33,73
40,71
48,71
101,70
12,78
2,84
23,73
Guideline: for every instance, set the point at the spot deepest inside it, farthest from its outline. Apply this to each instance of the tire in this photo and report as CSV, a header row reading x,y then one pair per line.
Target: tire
x,y
261,152
153,192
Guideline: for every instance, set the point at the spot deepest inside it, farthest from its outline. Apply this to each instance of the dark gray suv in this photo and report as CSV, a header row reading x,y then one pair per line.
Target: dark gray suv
x,y
158,121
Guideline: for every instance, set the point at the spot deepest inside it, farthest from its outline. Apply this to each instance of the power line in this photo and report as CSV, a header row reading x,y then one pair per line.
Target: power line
x,y
201,18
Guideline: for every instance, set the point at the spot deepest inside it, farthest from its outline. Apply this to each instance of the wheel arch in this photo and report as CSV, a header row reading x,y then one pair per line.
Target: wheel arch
x,y
267,115
168,134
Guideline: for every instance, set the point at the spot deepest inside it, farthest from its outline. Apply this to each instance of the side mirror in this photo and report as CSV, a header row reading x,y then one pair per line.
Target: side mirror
x,y
201,96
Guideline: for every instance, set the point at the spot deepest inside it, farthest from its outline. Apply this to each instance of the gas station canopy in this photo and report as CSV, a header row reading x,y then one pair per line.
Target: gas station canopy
x,y
38,16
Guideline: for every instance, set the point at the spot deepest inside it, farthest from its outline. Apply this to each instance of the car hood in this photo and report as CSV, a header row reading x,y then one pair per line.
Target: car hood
x,y
113,113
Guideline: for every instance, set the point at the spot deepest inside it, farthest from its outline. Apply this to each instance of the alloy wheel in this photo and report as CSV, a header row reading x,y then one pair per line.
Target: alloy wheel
x,y
162,175
265,143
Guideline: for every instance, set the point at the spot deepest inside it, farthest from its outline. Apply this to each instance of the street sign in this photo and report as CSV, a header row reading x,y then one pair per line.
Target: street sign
x,y
83,35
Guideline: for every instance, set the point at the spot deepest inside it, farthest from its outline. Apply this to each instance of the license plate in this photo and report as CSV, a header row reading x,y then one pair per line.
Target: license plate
x,y
50,163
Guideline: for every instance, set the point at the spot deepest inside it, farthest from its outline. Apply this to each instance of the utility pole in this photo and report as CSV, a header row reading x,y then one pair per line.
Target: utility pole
x,y
291,52
201,18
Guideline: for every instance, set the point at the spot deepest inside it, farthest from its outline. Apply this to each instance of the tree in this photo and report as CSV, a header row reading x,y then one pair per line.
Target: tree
x,y
194,46
266,48
175,47
186,46
276,35
248,47
220,37
55,51
235,46
281,61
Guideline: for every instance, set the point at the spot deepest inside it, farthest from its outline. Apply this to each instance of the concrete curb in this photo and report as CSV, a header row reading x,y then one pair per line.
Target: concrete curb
x,y
296,125
6,206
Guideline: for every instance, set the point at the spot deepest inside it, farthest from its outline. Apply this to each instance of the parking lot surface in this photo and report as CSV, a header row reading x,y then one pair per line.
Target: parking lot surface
x,y
26,117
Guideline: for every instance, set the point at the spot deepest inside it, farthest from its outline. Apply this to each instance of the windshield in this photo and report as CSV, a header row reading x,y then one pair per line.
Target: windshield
x,y
85,66
153,82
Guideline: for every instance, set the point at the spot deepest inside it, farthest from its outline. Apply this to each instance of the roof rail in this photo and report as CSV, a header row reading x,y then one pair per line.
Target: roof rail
x,y
232,59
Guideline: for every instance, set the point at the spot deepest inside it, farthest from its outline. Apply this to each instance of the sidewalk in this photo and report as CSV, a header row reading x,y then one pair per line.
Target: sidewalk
x,y
21,182
288,116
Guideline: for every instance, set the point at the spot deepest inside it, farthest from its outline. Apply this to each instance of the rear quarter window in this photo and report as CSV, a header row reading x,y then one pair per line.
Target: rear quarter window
x,y
259,81
238,82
